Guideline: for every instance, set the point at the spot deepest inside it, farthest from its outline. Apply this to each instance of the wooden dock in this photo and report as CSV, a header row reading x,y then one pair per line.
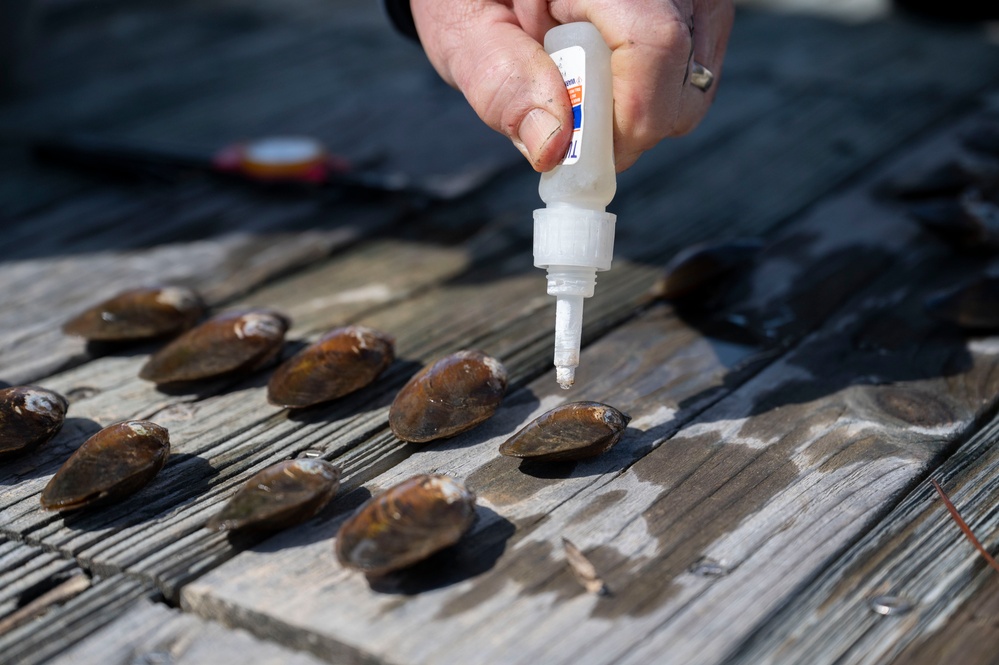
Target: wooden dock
x,y
770,501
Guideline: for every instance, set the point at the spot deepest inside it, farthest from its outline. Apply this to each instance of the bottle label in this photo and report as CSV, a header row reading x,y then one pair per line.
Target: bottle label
x,y
571,63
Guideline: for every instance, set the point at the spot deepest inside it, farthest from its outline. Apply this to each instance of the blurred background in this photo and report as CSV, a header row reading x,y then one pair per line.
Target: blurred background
x,y
195,76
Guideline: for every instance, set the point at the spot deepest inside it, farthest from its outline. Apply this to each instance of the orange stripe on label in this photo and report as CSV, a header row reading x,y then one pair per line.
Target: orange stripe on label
x,y
576,95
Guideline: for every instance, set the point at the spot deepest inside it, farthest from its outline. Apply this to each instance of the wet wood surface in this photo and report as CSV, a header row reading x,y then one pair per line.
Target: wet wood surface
x,y
770,494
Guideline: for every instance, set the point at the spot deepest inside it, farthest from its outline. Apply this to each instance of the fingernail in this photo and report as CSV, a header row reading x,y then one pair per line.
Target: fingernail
x,y
535,130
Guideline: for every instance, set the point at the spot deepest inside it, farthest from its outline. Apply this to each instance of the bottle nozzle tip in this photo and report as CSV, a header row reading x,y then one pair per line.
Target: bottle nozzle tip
x,y
565,376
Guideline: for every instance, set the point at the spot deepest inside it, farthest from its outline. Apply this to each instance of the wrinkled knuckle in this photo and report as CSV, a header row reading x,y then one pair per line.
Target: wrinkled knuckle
x,y
646,138
650,123
674,41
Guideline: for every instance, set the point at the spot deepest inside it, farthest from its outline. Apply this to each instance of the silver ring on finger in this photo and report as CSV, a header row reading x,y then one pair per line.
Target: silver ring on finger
x,y
700,76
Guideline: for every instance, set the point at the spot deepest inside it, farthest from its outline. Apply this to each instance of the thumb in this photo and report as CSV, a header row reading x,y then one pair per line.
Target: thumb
x,y
506,76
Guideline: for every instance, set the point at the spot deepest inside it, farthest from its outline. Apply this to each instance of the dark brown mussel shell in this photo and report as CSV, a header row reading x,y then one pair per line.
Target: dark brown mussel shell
x,y
280,496
969,222
573,431
973,306
144,313
117,461
452,395
938,180
703,266
29,416
340,362
229,343
405,524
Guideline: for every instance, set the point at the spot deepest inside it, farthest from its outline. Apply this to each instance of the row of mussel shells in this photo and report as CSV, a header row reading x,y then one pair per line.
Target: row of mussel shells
x,y
420,515
424,514
124,457
234,343
229,344
449,396
957,200
427,513
393,530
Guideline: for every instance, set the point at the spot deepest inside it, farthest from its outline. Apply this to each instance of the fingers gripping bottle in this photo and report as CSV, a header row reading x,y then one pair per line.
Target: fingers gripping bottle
x,y
573,234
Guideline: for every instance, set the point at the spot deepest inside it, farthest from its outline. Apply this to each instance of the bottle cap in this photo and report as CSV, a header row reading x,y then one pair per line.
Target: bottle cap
x,y
565,235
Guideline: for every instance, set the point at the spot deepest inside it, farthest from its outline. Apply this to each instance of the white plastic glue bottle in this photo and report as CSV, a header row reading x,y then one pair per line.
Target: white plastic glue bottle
x,y
573,233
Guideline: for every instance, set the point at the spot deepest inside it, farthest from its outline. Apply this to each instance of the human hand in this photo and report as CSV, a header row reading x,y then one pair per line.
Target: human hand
x,y
491,50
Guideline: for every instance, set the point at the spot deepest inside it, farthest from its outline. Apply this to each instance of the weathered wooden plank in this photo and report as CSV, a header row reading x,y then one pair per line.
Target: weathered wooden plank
x,y
482,332
213,438
64,625
122,218
430,322
108,390
60,593
810,450
45,292
151,632
827,116
27,573
968,636
236,433
917,563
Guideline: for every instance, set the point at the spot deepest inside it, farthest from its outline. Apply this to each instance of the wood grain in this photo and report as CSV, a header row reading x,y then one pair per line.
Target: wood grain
x,y
744,483
63,625
774,425
45,292
485,318
27,572
917,555
150,631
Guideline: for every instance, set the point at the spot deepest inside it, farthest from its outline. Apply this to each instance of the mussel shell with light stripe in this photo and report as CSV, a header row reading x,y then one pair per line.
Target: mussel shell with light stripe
x,y
230,343
448,397
340,362
571,431
279,496
405,524
142,313
29,416
117,461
